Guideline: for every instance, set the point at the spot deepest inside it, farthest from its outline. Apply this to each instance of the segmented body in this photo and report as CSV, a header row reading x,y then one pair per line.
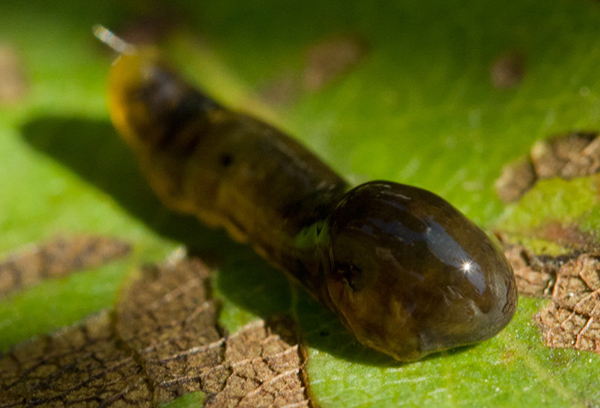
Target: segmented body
x,y
403,269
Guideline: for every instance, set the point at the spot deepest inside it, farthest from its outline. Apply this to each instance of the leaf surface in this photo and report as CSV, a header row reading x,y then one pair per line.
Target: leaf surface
x,y
418,106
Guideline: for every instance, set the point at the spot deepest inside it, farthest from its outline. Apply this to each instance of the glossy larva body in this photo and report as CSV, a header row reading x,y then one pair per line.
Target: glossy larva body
x,y
405,271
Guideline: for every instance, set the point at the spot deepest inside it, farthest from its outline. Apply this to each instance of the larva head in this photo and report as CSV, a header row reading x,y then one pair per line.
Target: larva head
x,y
410,275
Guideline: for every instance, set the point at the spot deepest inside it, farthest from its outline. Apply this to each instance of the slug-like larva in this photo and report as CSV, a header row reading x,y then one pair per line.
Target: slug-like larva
x,y
404,271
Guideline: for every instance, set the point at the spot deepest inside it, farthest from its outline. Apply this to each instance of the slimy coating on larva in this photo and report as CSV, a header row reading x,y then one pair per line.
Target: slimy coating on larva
x,y
405,271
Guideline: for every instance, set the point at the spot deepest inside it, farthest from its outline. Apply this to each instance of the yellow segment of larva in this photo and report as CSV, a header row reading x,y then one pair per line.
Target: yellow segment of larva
x,y
129,75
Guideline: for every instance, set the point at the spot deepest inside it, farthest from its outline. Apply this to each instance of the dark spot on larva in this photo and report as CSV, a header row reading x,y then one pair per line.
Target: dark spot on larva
x,y
324,333
507,71
226,159
576,154
352,275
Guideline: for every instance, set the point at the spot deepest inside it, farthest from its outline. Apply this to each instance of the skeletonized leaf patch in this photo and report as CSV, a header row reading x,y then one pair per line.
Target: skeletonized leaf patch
x,y
56,258
162,341
535,274
572,320
575,154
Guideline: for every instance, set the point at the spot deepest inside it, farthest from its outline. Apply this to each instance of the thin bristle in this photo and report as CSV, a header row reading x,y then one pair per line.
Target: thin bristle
x,y
113,41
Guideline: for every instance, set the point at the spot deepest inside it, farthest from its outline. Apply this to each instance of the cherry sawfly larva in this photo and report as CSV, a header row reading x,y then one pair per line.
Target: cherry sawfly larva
x,y
404,270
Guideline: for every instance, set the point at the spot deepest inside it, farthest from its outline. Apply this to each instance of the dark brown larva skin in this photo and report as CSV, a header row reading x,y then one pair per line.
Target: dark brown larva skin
x,y
405,272
406,255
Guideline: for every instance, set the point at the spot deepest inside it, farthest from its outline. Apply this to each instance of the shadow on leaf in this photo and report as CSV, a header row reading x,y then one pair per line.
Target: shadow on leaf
x,y
92,149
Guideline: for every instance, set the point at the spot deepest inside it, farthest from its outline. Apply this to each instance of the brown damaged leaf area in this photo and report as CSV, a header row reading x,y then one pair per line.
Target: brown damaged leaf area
x,y
162,341
535,274
507,71
572,281
265,365
13,81
80,366
56,258
576,154
325,61
331,58
569,236
572,320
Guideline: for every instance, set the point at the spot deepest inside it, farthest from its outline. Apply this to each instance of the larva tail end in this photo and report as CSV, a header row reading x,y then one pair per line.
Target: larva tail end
x,y
112,40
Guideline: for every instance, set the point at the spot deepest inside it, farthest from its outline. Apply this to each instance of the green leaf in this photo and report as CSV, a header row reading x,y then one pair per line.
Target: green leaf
x,y
418,108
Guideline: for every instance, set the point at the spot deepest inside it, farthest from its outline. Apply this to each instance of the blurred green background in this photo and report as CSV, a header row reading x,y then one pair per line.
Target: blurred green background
x,y
418,104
